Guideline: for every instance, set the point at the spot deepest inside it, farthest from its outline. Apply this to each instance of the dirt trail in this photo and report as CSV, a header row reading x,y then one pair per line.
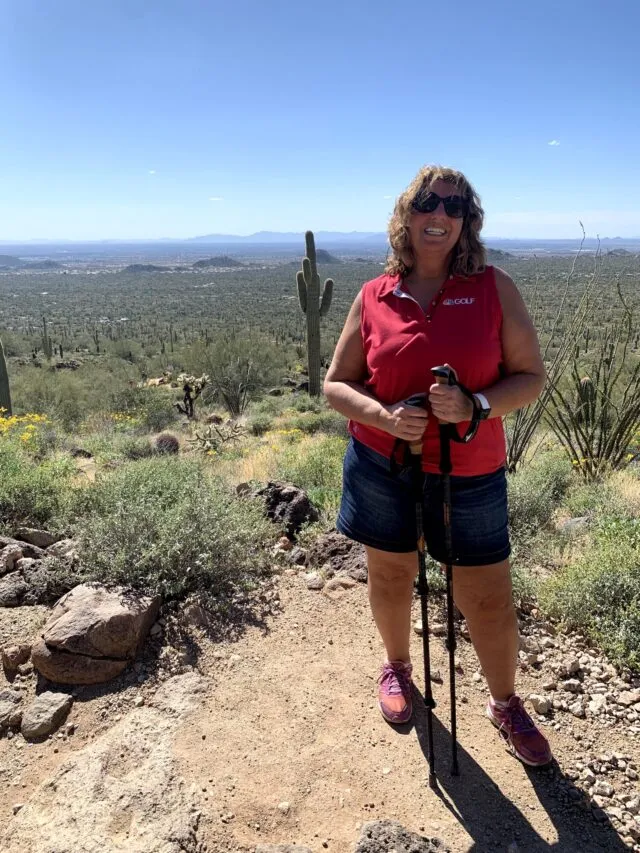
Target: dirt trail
x,y
281,741
294,721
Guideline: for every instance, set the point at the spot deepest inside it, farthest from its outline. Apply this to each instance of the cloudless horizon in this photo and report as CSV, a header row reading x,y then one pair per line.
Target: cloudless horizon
x,y
129,120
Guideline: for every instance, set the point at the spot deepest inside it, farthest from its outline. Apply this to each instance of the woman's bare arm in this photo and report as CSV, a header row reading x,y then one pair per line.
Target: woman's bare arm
x,y
521,354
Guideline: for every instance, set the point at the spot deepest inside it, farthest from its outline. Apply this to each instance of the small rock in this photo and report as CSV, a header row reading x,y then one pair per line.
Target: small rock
x,y
284,807
313,580
39,538
576,709
541,704
530,644
574,526
298,556
45,713
10,712
588,776
628,697
285,544
17,807
340,582
597,704
633,806
438,629
14,656
572,685
603,789
10,555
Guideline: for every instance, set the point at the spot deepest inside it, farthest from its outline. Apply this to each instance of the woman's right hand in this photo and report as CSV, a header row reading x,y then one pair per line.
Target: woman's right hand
x,y
403,421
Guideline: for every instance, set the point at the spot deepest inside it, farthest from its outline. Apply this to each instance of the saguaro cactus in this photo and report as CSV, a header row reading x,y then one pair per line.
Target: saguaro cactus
x,y
5,396
586,403
47,345
314,306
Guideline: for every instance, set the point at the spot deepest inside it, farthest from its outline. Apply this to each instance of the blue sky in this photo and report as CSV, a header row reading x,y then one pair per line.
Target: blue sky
x,y
124,118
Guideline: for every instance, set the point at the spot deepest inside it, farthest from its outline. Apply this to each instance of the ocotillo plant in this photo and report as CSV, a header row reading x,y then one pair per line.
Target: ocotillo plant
x,y
5,396
314,307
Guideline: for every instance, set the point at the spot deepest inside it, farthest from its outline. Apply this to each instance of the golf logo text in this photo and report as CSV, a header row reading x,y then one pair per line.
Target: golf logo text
x,y
463,300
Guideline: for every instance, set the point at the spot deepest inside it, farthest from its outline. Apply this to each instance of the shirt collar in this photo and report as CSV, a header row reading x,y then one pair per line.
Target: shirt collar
x,y
394,283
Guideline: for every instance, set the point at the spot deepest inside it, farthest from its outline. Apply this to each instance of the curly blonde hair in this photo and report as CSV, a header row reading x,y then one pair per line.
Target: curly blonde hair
x,y
469,254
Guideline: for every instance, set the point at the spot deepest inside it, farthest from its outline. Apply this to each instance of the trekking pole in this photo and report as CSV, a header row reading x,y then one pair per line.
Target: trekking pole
x,y
445,376
415,448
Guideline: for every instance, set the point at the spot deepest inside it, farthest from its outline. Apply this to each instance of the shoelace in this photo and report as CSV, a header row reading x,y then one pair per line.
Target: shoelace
x,y
395,680
520,721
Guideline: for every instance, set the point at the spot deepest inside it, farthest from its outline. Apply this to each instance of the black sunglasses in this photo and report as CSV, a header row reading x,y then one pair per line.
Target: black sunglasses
x,y
454,205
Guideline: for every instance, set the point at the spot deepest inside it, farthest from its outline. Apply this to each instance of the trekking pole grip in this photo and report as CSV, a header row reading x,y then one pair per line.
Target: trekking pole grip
x,y
420,402
444,376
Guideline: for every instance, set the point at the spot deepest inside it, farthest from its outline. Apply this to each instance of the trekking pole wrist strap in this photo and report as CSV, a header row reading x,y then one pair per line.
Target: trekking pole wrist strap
x,y
472,429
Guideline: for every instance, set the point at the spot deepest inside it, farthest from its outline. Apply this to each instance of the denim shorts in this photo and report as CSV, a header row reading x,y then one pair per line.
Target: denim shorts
x,y
378,509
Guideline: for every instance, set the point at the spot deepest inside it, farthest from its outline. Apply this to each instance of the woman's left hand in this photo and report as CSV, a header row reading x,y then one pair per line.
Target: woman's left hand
x,y
449,404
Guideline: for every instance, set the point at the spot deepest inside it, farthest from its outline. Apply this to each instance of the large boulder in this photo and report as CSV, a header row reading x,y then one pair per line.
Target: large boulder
x,y
388,836
344,556
288,506
92,634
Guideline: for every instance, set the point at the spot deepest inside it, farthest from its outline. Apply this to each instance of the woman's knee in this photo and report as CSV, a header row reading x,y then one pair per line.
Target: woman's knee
x,y
485,595
387,569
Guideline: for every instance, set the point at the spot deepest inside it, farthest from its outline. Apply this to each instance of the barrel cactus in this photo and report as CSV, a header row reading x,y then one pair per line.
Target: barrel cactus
x,y
314,306
5,395
586,403
166,442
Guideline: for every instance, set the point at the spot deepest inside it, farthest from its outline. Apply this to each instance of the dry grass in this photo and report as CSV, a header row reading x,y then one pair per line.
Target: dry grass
x,y
626,485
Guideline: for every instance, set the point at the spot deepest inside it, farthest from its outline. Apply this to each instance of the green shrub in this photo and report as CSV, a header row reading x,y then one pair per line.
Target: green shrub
x,y
165,525
154,407
259,424
135,447
31,492
267,406
310,422
600,593
305,403
318,470
534,493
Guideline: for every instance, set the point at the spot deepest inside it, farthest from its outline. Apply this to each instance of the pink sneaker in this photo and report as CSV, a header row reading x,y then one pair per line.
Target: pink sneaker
x,y
520,732
394,691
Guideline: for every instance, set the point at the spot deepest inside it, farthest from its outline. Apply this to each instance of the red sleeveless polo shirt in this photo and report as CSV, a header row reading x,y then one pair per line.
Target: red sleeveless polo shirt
x,y
462,327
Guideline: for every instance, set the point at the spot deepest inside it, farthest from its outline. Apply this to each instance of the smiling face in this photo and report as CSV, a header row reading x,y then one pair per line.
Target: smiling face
x,y
435,232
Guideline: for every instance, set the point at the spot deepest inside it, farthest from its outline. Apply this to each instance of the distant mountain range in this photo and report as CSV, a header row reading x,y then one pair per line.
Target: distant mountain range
x,y
293,237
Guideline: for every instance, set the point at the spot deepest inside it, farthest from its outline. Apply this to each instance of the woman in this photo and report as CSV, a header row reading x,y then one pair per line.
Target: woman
x,y
437,303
